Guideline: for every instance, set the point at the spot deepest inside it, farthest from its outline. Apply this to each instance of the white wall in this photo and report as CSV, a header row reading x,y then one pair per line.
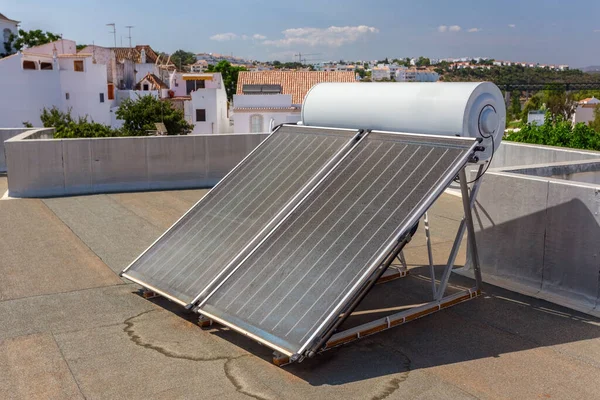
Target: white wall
x,y
241,120
177,84
583,114
262,100
143,69
11,26
24,93
84,90
213,99
63,46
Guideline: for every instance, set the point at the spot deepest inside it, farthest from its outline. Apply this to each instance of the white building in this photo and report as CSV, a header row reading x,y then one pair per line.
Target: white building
x,y
206,108
380,72
52,75
404,74
269,98
126,66
585,111
7,27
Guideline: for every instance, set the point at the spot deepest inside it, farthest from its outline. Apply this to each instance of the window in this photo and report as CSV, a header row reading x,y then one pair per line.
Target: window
x,y
190,86
46,65
256,123
145,87
101,97
67,95
78,65
200,115
29,64
7,33
111,91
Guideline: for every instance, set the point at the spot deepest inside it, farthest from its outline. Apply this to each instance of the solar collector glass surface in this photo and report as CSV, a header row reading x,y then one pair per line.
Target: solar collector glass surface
x,y
197,248
289,288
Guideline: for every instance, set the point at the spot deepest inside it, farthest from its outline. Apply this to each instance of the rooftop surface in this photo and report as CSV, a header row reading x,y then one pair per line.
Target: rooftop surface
x,y
71,328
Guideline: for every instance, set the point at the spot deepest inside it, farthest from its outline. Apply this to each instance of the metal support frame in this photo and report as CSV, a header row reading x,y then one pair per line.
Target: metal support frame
x,y
439,302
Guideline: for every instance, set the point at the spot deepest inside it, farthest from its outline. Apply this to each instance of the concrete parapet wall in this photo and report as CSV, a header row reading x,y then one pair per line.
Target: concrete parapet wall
x,y
9,133
57,167
539,235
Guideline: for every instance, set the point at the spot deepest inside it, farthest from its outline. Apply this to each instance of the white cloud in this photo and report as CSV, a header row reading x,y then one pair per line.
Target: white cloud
x,y
334,36
244,37
224,37
474,30
596,30
258,36
512,26
446,28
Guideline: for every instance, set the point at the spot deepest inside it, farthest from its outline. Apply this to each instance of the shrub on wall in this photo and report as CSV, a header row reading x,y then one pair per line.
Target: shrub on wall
x,y
558,133
141,114
66,127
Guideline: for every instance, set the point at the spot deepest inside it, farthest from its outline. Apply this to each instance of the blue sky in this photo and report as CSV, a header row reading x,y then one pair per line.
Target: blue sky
x,y
545,31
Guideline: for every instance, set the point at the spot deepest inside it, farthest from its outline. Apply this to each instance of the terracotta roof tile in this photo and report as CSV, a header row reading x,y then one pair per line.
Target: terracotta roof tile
x,y
135,53
155,80
296,83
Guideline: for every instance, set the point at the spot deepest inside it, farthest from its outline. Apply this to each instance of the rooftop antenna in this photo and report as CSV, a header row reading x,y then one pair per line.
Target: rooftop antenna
x,y
114,31
129,28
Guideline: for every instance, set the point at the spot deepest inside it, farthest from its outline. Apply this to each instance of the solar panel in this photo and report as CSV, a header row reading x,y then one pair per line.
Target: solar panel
x,y
297,281
260,88
216,231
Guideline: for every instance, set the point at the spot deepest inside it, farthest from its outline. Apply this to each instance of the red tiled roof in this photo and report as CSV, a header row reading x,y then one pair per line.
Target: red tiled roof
x,y
296,83
135,53
154,80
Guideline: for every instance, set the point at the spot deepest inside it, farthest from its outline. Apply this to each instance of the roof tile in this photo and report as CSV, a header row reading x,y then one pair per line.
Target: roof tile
x,y
296,83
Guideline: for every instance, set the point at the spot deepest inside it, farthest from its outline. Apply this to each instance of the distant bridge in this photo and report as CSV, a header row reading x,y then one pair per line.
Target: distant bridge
x,y
560,86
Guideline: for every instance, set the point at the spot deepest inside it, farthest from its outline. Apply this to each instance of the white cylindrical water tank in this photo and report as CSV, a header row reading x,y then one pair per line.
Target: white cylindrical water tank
x,y
441,108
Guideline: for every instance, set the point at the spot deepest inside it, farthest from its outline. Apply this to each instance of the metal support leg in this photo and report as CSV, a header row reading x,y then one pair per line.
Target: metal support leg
x,y
470,227
459,235
429,253
402,260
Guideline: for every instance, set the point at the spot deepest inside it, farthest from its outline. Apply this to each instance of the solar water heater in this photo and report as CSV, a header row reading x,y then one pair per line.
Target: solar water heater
x,y
287,245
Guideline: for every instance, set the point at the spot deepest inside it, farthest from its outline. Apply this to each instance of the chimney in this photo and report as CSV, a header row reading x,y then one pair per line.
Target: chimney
x,y
143,56
113,68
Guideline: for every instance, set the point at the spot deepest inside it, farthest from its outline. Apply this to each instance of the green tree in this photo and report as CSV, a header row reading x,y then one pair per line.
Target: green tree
x,y
67,127
423,62
141,114
229,74
559,103
80,47
515,104
29,39
361,72
558,133
181,58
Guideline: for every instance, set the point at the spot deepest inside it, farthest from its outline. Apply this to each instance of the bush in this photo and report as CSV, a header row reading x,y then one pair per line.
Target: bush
x,y
66,127
558,133
140,116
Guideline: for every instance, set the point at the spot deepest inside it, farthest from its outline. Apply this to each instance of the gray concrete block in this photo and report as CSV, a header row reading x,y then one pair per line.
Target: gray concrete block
x,y
77,166
35,167
176,162
572,253
119,164
510,226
